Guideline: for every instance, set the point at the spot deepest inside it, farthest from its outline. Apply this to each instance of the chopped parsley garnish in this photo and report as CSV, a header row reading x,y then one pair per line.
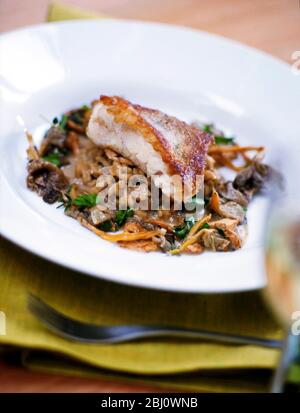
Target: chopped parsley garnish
x,y
82,201
85,200
54,158
223,140
205,226
63,122
181,231
122,215
219,138
106,226
207,127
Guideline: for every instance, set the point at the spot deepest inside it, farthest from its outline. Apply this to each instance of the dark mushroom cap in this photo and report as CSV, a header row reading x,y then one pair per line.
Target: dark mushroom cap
x,y
46,179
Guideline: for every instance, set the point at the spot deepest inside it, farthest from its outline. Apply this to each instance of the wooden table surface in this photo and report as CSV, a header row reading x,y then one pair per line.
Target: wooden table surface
x,y
270,25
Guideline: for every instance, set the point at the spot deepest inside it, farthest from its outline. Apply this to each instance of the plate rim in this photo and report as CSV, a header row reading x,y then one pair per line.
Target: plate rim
x,y
147,23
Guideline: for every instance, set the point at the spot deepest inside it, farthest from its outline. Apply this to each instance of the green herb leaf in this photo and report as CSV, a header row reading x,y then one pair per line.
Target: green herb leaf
x,y
122,215
85,107
182,230
219,139
106,226
205,226
86,200
63,122
223,140
54,158
207,127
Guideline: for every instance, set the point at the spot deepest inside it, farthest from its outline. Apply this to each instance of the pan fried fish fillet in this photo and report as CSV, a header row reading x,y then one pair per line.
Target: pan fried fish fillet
x,y
160,145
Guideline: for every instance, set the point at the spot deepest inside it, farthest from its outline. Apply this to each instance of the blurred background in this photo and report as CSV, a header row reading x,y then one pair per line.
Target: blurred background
x,y
270,25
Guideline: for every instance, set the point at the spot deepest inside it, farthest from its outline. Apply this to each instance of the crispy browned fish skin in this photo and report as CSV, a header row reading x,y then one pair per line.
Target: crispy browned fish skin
x,y
182,148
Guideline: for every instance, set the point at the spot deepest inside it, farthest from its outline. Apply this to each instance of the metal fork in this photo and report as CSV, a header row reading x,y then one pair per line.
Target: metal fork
x,y
91,333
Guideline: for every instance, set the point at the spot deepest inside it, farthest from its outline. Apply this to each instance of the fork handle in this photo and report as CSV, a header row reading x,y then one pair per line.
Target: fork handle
x,y
128,333
91,333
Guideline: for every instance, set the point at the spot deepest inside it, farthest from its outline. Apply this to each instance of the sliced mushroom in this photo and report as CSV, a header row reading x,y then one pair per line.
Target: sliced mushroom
x,y
98,216
228,227
133,226
231,194
166,244
224,224
233,210
54,139
46,179
229,209
254,178
214,241
140,221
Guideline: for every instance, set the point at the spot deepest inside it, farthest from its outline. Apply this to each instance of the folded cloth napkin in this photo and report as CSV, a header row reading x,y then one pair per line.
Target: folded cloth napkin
x,y
212,366
179,364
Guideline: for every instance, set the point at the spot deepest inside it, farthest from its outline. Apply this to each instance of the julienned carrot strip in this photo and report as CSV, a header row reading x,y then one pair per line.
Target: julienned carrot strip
x,y
186,243
226,162
199,224
124,236
161,224
234,148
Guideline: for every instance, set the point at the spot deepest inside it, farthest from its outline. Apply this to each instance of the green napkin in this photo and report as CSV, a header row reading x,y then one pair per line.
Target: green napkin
x,y
164,362
59,11
179,364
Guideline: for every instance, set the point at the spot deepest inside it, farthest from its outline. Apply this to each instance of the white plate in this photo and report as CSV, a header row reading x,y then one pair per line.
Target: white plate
x,y
50,68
